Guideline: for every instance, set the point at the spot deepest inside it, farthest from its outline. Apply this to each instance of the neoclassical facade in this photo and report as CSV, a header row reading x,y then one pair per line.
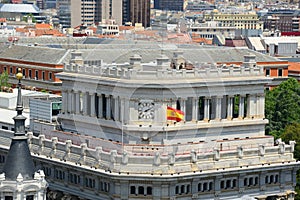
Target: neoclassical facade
x,y
115,141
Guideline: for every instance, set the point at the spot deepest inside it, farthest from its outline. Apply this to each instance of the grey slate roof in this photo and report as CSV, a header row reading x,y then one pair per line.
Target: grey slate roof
x,y
34,54
19,8
120,51
19,160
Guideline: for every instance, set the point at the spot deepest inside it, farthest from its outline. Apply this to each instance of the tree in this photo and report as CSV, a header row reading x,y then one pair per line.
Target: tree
x,y
4,80
282,107
292,132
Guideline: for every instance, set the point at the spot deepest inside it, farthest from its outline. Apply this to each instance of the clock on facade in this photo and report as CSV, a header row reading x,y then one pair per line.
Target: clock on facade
x,y
146,110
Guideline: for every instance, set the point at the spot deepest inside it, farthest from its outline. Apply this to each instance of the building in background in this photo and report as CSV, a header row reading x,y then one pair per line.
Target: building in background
x,y
39,66
246,24
137,11
76,12
176,5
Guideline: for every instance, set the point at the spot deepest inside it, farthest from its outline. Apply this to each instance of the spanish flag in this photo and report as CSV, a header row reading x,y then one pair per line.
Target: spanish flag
x,y
173,114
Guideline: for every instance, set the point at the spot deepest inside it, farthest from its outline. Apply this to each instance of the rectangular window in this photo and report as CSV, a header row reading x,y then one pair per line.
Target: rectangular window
x,y
5,69
43,76
267,72
29,73
50,75
10,70
36,75
5,127
24,73
279,72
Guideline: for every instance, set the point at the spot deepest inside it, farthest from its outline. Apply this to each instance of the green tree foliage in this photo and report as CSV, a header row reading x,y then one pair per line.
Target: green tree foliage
x,y
282,107
292,132
4,80
283,111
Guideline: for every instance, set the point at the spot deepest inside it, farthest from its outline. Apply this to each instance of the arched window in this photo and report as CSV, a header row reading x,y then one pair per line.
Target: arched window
x,y
204,186
210,186
271,179
256,181
199,187
222,185
228,184
132,189
149,190
245,181
267,179
177,189
182,189
141,190
276,178
251,181
187,189
234,183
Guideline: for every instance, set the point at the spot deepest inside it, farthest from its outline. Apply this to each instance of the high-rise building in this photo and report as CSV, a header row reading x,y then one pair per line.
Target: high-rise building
x,y
176,5
77,12
136,11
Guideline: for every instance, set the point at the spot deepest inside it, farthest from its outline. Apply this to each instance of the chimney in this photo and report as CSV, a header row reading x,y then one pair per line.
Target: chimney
x,y
249,61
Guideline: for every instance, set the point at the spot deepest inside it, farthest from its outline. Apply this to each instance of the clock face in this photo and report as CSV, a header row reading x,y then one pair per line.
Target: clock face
x,y
146,110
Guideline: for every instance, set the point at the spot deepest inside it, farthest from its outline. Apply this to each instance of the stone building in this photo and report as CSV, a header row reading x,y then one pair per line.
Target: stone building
x,y
115,141
39,66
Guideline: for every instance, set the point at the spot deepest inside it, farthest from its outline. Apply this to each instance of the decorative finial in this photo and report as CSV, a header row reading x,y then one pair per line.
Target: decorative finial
x,y
19,75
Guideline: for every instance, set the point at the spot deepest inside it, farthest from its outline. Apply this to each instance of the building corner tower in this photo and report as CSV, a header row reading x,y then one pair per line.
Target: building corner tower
x,y
18,179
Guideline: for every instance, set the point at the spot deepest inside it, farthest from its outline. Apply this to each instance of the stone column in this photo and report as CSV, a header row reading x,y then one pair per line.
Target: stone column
x,y
241,107
70,101
217,185
84,103
116,108
261,105
230,107
64,101
74,102
206,108
251,106
262,182
77,102
100,106
241,181
108,107
92,107
126,110
218,107
195,109
223,107
213,108
182,107
122,109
